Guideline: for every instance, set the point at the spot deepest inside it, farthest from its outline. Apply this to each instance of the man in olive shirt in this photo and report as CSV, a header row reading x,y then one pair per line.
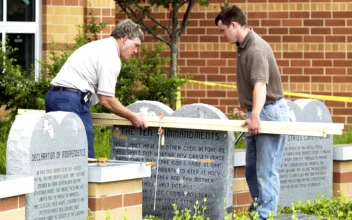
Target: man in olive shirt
x,y
260,92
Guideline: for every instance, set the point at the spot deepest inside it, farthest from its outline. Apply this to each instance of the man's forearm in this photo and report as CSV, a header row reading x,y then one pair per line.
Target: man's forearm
x,y
115,107
259,97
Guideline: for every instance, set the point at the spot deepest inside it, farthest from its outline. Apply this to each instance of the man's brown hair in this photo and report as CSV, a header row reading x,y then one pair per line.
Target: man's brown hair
x,y
232,13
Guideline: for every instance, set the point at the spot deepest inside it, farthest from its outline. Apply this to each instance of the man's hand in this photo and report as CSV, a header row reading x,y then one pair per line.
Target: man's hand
x,y
114,106
253,124
259,96
138,121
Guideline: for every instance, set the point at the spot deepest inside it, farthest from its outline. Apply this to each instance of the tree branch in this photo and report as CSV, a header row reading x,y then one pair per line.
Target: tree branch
x,y
186,17
135,18
153,19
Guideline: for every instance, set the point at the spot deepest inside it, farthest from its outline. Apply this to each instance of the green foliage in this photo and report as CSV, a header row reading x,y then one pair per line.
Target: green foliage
x,y
345,138
5,127
102,141
145,78
237,114
17,89
337,208
186,214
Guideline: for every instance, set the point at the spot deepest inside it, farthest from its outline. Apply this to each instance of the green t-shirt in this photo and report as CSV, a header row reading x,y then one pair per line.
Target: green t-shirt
x,y
256,63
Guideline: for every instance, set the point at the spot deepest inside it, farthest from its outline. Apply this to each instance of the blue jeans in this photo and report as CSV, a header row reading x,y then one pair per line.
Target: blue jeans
x,y
69,101
263,161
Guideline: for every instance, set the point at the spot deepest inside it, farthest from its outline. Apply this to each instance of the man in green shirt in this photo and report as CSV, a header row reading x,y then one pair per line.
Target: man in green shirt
x,y
261,94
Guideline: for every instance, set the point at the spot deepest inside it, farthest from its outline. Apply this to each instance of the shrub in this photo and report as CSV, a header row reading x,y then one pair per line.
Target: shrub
x,y
5,126
237,114
145,78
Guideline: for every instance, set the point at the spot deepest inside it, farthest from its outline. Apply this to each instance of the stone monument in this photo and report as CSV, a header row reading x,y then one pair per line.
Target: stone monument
x,y
52,148
306,168
193,164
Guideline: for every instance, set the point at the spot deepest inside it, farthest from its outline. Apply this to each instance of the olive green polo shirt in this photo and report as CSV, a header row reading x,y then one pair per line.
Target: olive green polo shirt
x,y
256,63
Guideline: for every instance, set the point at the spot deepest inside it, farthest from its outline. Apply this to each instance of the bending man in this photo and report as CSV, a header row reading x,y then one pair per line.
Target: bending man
x,y
90,74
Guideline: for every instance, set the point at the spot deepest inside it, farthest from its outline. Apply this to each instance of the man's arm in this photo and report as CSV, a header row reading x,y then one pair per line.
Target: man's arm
x,y
114,106
259,96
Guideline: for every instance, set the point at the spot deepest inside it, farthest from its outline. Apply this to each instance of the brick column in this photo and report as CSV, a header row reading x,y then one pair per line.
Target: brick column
x,y
121,198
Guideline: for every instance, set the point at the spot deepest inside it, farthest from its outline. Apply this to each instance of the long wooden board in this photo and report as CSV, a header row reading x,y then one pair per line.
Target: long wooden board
x,y
267,127
291,128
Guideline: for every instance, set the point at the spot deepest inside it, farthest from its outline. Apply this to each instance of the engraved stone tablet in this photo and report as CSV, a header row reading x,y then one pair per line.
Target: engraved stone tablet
x,y
52,148
193,165
306,168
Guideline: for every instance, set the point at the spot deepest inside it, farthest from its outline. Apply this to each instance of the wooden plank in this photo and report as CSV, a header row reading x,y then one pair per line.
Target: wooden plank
x,y
267,127
215,122
29,111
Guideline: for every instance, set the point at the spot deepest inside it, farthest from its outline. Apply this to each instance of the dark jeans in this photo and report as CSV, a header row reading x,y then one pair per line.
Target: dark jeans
x,y
69,101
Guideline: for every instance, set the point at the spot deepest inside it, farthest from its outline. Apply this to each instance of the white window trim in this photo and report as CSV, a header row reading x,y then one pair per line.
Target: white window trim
x,y
26,28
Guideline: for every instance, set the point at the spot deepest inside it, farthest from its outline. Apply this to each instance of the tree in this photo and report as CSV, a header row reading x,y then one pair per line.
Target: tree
x,y
136,10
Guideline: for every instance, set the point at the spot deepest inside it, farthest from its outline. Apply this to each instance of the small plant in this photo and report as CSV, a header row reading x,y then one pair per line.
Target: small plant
x,y
108,215
237,114
151,217
90,214
339,207
185,214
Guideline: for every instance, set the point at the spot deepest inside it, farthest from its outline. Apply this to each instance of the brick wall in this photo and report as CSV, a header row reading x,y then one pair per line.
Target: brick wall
x,y
342,178
121,199
61,17
241,196
13,207
310,40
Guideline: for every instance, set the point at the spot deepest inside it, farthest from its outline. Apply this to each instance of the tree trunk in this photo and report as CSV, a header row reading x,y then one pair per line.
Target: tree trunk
x,y
173,68
173,62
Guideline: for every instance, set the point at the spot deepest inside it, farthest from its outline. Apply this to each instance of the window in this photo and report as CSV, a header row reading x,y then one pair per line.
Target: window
x,y
21,10
20,23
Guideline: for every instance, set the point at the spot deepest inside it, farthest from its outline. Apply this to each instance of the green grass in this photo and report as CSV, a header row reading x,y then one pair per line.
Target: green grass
x,y
345,138
3,158
102,141
5,127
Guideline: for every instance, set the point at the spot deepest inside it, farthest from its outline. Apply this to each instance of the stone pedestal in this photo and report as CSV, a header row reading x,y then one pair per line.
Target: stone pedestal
x,y
115,189
342,173
12,196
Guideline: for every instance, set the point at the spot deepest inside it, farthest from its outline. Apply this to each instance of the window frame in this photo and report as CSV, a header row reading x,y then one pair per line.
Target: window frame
x,y
25,27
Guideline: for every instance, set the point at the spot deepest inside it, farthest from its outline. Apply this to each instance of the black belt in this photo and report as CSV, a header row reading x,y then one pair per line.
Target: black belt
x,y
84,96
59,88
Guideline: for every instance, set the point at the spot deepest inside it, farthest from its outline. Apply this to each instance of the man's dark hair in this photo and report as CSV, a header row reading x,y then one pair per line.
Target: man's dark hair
x,y
229,14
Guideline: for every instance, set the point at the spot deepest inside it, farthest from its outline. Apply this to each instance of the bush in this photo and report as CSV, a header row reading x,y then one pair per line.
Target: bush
x,y
17,89
337,208
5,126
145,78
240,137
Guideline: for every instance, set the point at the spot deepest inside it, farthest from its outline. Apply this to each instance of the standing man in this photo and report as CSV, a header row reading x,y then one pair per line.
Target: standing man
x,y
260,92
89,76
